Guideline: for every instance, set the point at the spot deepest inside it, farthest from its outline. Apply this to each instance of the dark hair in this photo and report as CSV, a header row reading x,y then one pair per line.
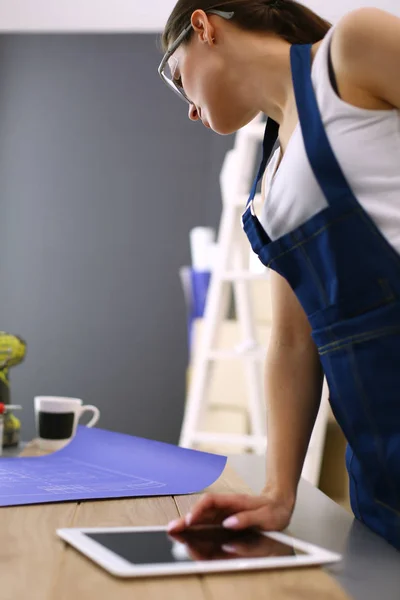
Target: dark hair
x,y
288,19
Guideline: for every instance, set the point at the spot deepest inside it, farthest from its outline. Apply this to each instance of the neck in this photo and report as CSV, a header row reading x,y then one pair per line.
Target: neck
x,y
263,63
274,92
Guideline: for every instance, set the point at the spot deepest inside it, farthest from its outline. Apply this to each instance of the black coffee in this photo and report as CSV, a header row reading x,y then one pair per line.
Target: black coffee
x,y
55,426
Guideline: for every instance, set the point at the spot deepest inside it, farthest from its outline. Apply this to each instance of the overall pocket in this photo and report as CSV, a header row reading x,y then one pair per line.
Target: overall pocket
x,y
353,309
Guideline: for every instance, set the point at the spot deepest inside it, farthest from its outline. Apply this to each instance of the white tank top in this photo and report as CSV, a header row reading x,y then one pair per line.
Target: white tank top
x,y
367,146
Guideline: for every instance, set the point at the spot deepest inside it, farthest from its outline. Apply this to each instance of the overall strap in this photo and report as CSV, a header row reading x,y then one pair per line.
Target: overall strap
x,y
319,151
270,137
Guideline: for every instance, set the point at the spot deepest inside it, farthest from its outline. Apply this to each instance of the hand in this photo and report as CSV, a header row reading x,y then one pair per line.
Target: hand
x,y
268,512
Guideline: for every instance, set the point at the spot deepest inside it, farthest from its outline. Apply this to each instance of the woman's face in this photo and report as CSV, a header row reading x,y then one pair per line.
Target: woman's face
x,y
211,79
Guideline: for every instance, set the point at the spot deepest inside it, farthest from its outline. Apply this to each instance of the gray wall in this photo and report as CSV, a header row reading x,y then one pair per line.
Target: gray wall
x,y
101,178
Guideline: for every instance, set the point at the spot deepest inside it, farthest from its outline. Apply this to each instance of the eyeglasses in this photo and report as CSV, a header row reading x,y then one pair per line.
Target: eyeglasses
x,y
168,66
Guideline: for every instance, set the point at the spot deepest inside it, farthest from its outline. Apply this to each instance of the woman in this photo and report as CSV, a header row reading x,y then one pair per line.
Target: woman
x,y
329,230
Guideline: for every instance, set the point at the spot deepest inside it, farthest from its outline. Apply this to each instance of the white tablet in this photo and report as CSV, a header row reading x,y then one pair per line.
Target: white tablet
x,y
151,551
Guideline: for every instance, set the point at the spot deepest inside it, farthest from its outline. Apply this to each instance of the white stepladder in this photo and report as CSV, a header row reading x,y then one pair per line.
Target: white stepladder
x,y
232,270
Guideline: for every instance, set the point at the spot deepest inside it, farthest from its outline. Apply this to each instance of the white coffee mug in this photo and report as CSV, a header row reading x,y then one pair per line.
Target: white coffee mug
x,y
57,419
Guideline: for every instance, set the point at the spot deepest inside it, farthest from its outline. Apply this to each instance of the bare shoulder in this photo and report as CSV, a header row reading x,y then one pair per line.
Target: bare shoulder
x,y
365,53
360,28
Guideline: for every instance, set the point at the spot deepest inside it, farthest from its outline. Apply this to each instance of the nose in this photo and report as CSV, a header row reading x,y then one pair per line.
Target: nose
x,y
193,113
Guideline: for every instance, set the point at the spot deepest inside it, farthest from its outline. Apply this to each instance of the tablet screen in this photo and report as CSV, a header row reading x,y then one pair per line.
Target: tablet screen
x,y
208,543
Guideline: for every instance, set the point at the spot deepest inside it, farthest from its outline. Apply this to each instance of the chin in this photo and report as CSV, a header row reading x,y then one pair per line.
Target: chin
x,y
224,130
227,127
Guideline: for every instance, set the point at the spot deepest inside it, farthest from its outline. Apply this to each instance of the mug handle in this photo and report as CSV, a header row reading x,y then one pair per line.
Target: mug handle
x,y
94,410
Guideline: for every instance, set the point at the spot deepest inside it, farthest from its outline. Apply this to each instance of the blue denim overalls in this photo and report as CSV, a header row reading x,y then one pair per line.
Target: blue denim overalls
x,y
347,279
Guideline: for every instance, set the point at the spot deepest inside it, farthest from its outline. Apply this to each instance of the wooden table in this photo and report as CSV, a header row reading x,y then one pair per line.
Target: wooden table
x,y
36,565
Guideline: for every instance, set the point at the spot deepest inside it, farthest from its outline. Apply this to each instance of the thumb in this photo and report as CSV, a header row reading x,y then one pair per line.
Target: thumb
x,y
260,518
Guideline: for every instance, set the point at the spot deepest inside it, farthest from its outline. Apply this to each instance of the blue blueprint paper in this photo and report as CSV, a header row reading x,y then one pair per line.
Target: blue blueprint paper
x,y
102,464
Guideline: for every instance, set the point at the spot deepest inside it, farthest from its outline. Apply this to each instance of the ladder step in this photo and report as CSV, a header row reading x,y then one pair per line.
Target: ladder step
x,y
256,354
257,443
242,275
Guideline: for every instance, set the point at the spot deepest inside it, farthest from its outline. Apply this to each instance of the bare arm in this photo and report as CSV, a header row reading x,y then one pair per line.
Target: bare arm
x,y
293,386
293,390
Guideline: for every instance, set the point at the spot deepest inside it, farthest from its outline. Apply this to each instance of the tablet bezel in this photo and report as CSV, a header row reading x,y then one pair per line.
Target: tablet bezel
x,y
118,566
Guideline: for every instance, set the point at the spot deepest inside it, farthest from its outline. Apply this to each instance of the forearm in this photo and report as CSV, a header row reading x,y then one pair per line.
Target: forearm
x,y
293,391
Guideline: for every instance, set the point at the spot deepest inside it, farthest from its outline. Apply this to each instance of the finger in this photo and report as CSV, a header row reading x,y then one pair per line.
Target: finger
x,y
260,518
206,505
176,526
214,505
204,512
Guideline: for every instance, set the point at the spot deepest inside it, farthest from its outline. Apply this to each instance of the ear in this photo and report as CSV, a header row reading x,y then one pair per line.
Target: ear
x,y
202,27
